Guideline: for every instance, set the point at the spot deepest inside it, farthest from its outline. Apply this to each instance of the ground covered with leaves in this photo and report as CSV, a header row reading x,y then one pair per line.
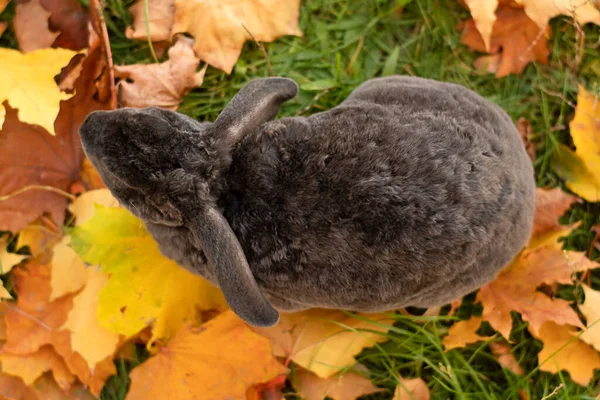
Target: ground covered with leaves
x,y
91,309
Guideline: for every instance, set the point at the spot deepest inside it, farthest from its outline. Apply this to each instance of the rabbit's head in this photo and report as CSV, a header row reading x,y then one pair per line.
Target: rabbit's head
x,y
164,167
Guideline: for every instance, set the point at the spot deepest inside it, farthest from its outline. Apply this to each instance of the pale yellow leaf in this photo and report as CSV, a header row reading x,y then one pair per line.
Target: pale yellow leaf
x,y
68,271
27,82
484,15
4,293
541,11
8,260
591,311
83,207
160,20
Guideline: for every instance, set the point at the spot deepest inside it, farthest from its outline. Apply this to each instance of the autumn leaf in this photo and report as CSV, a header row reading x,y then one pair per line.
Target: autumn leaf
x,y
162,85
68,271
347,386
161,14
220,359
26,149
541,11
462,333
27,83
144,286
515,42
577,357
581,169
8,260
31,26
412,389
550,205
325,341
591,311
484,16
70,20
39,237
83,207
219,26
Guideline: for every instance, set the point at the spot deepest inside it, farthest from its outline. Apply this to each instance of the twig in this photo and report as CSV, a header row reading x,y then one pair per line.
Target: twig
x,y
555,391
98,17
262,49
37,187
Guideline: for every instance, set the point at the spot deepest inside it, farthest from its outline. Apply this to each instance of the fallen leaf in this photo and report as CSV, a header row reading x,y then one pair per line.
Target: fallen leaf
x,y
515,289
591,311
462,333
83,207
71,21
68,271
27,149
505,358
88,338
160,20
524,128
220,359
12,387
347,386
31,26
577,357
162,85
550,205
325,341
30,367
219,26
144,286
412,389
4,293
40,237
581,168
27,83
484,16
45,388
90,177
8,260
3,26
541,11
515,37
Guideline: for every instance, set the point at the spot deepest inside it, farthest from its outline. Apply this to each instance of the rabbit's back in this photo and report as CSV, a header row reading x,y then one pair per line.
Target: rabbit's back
x,y
411,192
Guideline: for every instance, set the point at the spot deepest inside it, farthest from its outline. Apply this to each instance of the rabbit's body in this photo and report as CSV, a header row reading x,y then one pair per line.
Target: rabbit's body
x,y
411,192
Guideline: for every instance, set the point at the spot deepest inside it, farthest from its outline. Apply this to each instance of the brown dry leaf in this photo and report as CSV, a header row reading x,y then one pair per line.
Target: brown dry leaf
x,y
591,311
412,389
524,128
515,37
31,26
577,357
220,359
505,358
550,205
30,367
69,19
162,85
161,14
515,289
462,333
348,386
218,26
320,341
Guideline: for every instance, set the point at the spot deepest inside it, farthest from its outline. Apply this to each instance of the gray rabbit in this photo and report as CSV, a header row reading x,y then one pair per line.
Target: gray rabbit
x,y
411,192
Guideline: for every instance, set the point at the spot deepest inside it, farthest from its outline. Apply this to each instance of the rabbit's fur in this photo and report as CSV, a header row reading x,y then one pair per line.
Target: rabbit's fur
x,y
411,192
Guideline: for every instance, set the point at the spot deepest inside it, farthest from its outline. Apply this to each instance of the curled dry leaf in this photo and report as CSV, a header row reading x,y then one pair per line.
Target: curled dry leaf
x,y
162,85
31,26
165,294
347,386
591,311
577,357
412,389
462,333
515,38
581,169
221,359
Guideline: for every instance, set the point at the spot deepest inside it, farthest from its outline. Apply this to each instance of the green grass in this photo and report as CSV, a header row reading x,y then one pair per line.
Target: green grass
x,y
346,42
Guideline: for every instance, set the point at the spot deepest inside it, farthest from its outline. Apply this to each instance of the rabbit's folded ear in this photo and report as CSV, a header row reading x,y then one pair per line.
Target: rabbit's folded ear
x,y
231,268
257,103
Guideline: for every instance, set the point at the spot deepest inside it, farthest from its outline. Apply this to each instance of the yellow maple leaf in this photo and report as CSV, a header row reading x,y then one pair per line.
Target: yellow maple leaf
x,y
462,333
220,359
563,351
88,338
27,82
83,207
68,271
581,169
591,311
144,286
218,26
347,386
326,341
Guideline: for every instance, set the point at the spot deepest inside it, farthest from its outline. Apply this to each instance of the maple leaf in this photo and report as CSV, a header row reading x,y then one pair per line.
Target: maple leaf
x,y
505,358
325,341
83,207
484,16
68,271
144,286
8,260
31,26
70,20
220,359
581,169
515,42
412,389
162,85
219,26
541,11
591,311
550,205
27,150
347,386
160,20
563,351
44,388
94,342
40,237
462,333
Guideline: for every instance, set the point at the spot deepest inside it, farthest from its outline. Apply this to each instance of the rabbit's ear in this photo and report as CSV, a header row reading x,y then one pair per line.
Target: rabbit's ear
x,y
231,268
257,103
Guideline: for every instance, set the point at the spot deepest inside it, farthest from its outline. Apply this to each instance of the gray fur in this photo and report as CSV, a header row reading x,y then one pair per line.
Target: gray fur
x,y
411,192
